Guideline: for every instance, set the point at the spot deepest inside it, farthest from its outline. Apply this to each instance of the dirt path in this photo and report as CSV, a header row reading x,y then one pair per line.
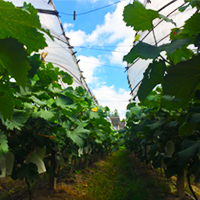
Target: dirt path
x,y
120,176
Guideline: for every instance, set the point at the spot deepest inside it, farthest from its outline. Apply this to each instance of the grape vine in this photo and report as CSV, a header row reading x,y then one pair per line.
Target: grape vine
x,y
164,127
43,127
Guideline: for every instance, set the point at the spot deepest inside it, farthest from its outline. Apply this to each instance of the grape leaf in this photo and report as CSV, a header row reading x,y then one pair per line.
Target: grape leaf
x,y
157,123
194,118
167,19
22,25
6,102
191,26
170,103
77,135
144,51
66,78
45,114
35,63
177,44
183,8
13,57
30,171
191,148
63,101
153,75
181,54
18,119
186,129
182,79
138,17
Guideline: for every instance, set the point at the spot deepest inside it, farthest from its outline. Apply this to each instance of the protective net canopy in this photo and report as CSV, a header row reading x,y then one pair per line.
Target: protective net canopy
x,y
158,35
59,52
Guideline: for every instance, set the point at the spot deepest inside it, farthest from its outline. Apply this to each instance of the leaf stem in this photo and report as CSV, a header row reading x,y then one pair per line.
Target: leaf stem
x,y
165,59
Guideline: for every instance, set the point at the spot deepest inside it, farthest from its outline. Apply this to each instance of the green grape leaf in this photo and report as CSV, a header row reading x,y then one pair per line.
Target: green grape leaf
x,y
170,103
66,78
182,79
194,118
38,101
35,63
153,75
186,129
77,135
138,17
130,105
30,171
45,114
94,115
22,25
6,102
191,26
13,57
183,8
144,51
166,19
190,149
18,119
157,124
3,144
136,110
177,44
181,55
63,101
152,100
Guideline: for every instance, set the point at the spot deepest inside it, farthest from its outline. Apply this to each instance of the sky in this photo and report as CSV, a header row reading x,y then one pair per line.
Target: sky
x,y
101,39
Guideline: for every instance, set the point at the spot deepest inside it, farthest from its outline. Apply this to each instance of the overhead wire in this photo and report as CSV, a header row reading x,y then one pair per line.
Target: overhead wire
x,y
91,48
96,9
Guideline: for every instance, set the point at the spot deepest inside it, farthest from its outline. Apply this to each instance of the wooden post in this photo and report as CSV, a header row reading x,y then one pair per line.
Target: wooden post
x,y
180,185
52,178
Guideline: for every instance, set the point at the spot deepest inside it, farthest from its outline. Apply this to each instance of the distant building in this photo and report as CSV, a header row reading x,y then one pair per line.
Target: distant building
x,y
116,123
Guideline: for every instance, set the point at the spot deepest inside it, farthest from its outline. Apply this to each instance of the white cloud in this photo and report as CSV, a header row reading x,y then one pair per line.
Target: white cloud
x,y
113,28
108,96
88,65
66,25
77,38
122,49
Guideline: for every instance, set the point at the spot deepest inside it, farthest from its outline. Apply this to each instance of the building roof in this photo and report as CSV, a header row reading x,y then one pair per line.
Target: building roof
x,y
116,123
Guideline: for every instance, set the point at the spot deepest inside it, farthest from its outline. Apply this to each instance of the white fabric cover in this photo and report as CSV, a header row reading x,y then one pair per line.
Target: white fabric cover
x,y
58,50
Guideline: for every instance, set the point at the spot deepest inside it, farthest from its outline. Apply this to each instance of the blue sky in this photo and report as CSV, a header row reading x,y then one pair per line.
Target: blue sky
x,y
101,39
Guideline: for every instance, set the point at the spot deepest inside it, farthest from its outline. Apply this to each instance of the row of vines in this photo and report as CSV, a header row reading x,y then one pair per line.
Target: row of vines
x,y
43,127
164,127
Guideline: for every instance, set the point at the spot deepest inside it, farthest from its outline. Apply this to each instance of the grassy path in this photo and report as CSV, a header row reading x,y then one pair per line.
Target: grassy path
x,y
120,176
124,178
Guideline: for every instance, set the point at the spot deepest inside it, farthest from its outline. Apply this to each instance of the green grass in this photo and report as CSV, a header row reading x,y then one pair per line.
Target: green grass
x,y
118,181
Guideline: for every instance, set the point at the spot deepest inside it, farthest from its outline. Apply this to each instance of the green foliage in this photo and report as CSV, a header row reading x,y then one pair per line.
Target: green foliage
x,y
18,23
35,111
136,16
182,79
168,114
152,76
10,52
142,50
